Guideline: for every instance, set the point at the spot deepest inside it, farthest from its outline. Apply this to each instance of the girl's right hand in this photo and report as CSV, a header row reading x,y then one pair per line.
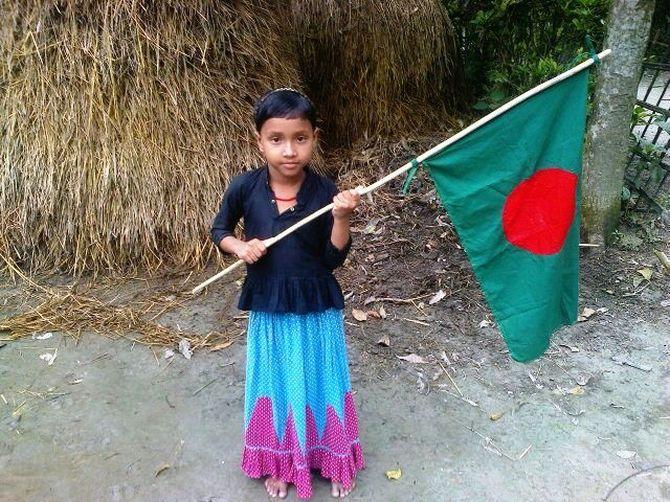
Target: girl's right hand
x,y
251,251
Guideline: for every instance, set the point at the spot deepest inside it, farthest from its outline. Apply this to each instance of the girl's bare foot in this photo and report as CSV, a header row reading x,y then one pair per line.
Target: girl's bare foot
x,y
338,490
276,488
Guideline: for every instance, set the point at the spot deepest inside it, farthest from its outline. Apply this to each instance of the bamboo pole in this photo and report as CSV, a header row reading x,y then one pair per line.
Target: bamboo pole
x,y
403,169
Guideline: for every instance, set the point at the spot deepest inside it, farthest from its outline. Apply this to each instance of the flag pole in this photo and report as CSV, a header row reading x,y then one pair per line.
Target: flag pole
x,y
401,170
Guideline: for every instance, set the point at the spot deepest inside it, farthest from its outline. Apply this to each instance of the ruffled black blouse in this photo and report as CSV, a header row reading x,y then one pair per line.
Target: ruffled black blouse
x,y
296,273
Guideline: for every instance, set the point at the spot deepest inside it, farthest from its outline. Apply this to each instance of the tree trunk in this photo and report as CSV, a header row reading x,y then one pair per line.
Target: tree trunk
x,y
606,147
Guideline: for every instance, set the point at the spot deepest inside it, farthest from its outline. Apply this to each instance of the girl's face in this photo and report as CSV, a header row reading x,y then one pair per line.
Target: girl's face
x,y
287,145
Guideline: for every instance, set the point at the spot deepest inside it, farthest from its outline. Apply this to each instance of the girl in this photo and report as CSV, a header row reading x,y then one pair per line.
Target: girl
x,y
299,411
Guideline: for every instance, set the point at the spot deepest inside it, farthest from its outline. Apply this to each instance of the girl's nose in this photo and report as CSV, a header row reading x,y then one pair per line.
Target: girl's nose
x,y
289,151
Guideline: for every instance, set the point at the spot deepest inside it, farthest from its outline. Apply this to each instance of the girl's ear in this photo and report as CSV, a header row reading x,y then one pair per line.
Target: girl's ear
x,y
317,133
258,142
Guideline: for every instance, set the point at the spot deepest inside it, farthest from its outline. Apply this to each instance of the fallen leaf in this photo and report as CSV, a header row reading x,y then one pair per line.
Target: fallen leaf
x,y
370,227
185,348
586,313
49,358
162,468
583,379
369,300
394,474
577,391
437,297
571,347
381,257
382,312
374,314
359,315
413,358
45,336
384,341
626,454
663,258
637,280
221,345
485,323
647,273
496,416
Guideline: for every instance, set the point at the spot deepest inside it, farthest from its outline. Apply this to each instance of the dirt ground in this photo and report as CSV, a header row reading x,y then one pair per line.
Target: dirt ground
x,y
113,420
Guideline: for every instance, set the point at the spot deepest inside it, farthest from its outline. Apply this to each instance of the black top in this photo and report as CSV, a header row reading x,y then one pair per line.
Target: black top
x,y
296,273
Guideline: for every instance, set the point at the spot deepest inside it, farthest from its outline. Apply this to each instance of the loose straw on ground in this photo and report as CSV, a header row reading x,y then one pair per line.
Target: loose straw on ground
x,y
63,310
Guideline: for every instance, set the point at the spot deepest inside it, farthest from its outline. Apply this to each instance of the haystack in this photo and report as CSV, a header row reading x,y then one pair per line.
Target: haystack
x,y
378,66
122,121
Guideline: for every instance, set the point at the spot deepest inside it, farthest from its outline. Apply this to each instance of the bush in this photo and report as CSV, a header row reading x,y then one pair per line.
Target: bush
x,y
509,46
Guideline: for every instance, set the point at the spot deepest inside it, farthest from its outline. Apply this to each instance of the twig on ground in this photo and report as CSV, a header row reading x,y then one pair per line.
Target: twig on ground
x,y
662,466
450,379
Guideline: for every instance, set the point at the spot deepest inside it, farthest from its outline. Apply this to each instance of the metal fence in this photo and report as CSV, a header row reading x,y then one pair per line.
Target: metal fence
x,y
648,168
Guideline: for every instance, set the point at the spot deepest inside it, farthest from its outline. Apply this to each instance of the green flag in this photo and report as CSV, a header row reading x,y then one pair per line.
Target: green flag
x,y
511,188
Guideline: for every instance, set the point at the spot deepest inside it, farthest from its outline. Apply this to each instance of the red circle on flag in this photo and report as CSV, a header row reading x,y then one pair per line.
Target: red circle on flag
x,y
539,212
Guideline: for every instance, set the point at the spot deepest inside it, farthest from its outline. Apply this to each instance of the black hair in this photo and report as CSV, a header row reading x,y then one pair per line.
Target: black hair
x,y
283,103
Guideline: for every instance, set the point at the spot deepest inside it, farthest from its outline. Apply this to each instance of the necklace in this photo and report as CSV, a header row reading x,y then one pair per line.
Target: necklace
x,y
285,200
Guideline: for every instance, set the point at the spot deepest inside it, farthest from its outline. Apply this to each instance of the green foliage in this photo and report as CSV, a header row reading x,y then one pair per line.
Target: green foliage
x,y
659,42
509,46
647,155
640,116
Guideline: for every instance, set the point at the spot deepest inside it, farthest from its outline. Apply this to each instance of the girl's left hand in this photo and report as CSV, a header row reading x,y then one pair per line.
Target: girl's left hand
x,y
345,203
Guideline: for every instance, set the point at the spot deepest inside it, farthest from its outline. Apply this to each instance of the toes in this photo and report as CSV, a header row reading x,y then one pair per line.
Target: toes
x,y
275,488
267,486
339,491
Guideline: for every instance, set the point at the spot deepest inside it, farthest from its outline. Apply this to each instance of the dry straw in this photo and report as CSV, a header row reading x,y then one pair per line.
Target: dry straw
x,y
122,122
71,312
378,66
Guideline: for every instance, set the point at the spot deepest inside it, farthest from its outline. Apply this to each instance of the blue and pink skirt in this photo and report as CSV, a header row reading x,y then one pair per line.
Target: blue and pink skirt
x,y
299,412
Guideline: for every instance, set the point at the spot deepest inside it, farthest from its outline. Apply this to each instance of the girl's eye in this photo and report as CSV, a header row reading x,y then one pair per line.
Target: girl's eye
x,y
274,140
302,139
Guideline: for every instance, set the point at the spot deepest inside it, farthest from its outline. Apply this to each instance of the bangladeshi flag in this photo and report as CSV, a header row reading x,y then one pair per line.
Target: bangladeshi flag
x,y
511,188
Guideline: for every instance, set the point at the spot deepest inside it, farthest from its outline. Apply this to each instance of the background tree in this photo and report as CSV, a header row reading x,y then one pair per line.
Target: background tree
x,y
606,147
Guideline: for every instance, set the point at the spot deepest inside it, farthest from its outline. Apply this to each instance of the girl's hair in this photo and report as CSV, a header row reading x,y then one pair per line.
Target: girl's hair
x,y
283,103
